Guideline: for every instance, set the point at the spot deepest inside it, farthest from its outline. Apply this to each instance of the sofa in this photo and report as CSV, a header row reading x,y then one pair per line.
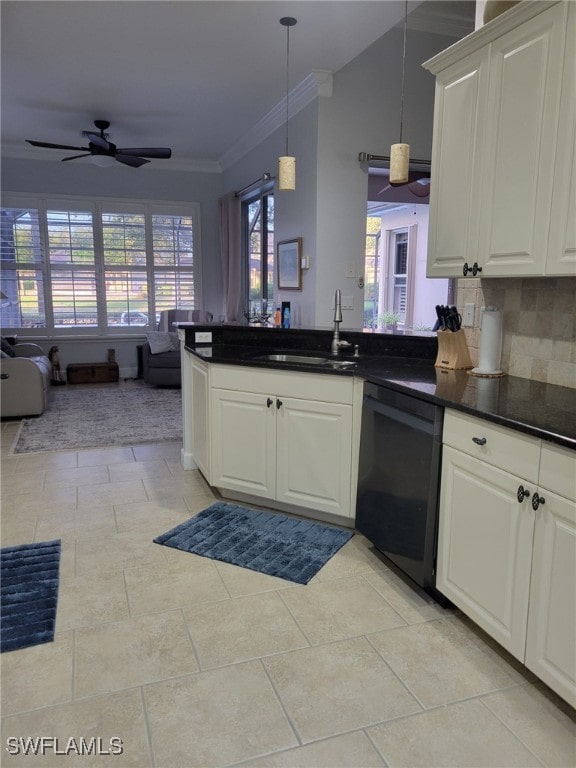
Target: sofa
x,y
161,363
25,373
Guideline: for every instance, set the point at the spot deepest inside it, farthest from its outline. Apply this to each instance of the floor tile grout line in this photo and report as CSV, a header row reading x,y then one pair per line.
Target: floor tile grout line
x,y
147,727
510,729
389,666
376,747
280,702
191,639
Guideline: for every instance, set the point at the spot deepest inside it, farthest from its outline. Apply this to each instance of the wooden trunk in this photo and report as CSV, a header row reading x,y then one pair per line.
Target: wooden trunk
x,y
92,373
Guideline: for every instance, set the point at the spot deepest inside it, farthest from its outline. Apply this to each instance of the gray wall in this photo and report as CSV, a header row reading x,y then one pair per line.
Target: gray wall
x,y
328,208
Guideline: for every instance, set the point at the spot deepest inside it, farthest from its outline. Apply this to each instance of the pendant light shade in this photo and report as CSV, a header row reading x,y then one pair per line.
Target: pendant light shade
x,y
287,163
286,173
400,153
399,163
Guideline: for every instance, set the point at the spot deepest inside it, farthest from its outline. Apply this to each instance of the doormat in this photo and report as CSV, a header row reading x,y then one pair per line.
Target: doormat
x,y
263,541
29,576
104,415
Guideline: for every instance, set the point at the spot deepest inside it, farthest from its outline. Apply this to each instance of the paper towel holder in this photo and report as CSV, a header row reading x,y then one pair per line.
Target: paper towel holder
x,y
489,358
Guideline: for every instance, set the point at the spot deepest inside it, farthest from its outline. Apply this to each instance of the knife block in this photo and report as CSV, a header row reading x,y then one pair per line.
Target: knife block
x,y
453,350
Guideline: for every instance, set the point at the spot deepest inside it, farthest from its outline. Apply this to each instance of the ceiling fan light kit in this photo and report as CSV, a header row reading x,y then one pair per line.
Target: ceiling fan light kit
x,y
287,163
400,152
104,153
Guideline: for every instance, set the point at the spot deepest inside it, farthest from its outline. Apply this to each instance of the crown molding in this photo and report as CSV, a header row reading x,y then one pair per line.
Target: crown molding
x,y
318,83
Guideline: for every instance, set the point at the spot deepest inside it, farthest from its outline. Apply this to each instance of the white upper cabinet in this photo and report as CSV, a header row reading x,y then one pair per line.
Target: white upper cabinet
x,y
501,169
562,247
460,106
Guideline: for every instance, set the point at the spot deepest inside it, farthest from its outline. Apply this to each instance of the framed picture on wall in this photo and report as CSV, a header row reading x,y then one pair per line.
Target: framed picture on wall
x,y
289,264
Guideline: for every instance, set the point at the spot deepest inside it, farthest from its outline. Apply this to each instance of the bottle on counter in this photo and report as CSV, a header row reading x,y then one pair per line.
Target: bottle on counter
x,y
277,318
286,319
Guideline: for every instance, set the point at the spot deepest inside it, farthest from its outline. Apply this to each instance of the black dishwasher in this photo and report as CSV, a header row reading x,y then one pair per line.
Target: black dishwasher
x,y
399,480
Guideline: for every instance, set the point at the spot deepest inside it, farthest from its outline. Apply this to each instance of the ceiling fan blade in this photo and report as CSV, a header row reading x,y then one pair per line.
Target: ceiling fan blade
x,y
74,157
131,160
420,189
97,140
52,146
160,153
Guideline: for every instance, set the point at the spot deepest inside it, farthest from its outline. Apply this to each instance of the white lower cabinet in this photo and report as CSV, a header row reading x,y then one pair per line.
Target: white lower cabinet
x,y
484,550
244,442
551,637
507,543
199,421
294,450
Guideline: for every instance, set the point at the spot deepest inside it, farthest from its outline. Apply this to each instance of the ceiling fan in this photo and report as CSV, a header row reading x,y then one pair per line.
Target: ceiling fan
x,y
419,187
100,147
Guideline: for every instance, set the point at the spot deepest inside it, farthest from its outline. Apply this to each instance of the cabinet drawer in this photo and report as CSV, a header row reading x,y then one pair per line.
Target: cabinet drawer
x,y
266,381
504,448
558,470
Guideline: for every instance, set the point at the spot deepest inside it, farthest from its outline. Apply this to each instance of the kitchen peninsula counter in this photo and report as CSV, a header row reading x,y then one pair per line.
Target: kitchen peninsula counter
x,y
404,363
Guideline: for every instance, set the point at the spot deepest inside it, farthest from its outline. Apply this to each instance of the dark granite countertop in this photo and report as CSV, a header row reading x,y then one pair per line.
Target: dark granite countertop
x,y
405,364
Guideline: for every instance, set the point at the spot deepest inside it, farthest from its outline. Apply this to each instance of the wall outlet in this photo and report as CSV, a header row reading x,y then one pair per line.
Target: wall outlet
x,y
347,302
203,337
350,270
468,315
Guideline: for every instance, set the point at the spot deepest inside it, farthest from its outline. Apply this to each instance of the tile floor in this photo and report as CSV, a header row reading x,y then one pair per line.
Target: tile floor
x,y
194,663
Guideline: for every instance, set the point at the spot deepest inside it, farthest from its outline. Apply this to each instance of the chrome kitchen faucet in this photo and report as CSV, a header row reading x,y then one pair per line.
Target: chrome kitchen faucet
x,y
336,343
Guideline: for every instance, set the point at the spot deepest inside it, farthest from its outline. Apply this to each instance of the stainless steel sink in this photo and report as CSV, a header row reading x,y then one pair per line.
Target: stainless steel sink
x,y
287,358
306,359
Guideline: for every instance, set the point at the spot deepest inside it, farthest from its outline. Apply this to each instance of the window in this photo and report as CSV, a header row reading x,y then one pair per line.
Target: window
x,y
100,266
258,237
397,293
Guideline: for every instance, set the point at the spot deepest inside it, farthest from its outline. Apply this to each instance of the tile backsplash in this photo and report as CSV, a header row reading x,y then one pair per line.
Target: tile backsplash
x,y
538,321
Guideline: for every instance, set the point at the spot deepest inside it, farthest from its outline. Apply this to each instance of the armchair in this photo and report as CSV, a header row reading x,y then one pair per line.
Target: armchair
x,y
161,363
24,381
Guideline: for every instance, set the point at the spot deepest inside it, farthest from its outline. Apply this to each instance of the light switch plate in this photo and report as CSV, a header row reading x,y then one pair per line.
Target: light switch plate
x,y
203,337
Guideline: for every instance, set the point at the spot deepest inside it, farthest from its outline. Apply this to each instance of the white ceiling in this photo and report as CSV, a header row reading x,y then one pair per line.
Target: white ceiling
x,y
193,76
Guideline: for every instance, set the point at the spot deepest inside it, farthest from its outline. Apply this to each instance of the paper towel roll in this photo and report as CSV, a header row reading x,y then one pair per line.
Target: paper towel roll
x,y
490,342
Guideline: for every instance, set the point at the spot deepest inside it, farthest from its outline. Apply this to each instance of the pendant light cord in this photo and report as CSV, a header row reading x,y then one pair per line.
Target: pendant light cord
x,y
403,70
287,79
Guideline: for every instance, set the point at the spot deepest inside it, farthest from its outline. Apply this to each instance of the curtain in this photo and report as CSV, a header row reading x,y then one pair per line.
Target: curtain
x,y
231,254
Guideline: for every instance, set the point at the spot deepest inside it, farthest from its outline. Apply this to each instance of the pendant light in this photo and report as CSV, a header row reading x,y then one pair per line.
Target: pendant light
x,y
287,163
400,153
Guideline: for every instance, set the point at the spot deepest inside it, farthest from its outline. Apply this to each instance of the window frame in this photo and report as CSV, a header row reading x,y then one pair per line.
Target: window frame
x,y
97,206
261,194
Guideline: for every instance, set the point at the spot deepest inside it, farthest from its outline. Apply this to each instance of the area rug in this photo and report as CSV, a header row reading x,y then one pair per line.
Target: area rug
x,y
263,541
29,576
84,416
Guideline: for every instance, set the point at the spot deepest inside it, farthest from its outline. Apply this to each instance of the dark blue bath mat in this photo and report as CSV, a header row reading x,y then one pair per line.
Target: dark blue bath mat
x,y
28,594
263,541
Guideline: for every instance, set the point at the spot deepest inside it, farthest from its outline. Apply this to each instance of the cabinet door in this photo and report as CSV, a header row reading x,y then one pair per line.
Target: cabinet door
x,y
459,116
315,455
244,442
199,420
485,547
562,249
522,123
551,638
